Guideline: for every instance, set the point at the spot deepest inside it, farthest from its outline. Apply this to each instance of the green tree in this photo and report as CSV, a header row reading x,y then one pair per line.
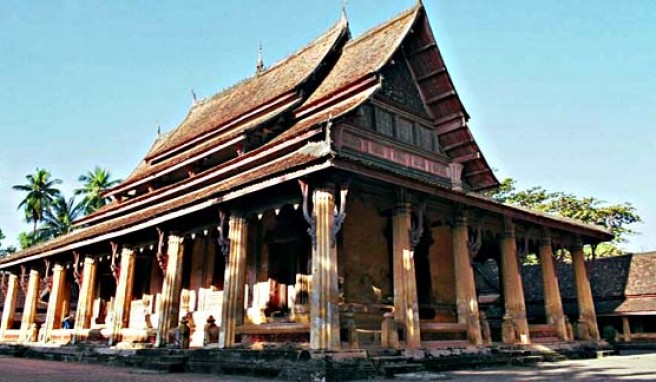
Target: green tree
x,y
59,217
30,239
41,191
5,251
614,217
94,184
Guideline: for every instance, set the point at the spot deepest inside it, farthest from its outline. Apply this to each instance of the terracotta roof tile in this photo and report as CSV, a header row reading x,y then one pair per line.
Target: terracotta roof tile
x,y
247,95
289,162
366,54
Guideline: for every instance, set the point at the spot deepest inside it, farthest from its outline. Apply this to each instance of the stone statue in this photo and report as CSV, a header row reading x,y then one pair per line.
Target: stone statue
x,y
211,331
584,331
508,332
182,334
486,332
569,330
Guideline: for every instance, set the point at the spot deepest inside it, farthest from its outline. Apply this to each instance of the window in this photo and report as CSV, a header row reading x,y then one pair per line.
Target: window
x,y
405,131
385,123
425,138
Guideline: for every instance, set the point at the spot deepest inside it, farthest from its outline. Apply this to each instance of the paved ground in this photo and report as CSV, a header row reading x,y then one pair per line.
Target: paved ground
x,y
637,367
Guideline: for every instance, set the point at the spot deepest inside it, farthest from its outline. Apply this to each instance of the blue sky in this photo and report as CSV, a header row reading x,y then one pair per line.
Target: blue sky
x,y
561,94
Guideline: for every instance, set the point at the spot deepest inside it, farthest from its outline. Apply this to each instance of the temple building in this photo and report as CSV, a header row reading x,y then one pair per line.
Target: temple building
x,y
331,201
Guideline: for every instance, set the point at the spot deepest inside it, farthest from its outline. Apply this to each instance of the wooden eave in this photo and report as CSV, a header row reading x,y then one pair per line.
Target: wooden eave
x,y
443,104
291,75
286,99
229,168
210,146
282,169
472,199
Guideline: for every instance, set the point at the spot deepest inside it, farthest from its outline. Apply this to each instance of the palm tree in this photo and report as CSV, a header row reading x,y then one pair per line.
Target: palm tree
x,y
95,183
41,192
58,219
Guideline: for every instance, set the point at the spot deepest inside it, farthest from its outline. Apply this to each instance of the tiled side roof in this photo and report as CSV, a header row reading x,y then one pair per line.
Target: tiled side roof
x,y
628,278
366,54
279,79
229,105
289,162
144,172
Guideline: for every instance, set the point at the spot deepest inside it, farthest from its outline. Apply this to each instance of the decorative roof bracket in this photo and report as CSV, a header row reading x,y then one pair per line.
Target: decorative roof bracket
x,y
223,241
340,214
310,219
161,256
417,227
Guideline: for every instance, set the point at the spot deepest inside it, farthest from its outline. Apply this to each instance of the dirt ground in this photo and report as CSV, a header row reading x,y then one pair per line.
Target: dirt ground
x,y
630,367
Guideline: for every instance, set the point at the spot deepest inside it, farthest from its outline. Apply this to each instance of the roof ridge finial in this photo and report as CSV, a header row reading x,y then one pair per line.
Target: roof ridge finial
x,y
194,96
260,60
159,129
344,15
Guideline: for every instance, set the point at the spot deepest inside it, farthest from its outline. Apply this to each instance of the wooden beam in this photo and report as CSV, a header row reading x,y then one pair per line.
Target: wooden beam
x,y
468,157
477,172
431,74
474,200
422,49
451,126
449,117
458,144
440,97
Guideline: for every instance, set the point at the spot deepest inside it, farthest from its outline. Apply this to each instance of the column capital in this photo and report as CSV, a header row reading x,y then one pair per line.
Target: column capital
x,y
126,251
89,260
57,267
576,247
508,227
460,221
34,272
545,241
175,239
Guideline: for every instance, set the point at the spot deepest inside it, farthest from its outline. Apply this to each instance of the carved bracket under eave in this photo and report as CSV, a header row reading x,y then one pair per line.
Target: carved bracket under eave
x,y
223,241
161,256
4,285
23,279
417,227
310,219
474,241
340,214
114,268
522,252
76,269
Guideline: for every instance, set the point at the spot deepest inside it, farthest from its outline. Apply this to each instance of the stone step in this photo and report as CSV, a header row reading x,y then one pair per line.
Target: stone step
x,y
421,376
526,360
383,352
554,357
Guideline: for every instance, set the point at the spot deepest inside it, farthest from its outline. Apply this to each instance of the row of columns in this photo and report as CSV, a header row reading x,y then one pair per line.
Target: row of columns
x,y
324,297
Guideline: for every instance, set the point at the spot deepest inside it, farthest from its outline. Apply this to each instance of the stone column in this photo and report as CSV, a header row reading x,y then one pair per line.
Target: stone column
x,y
234,279
9,309
406,304
85,298
553,305
123,297
29,310
54,312
324,294
587,314
466,300
169,305
515,326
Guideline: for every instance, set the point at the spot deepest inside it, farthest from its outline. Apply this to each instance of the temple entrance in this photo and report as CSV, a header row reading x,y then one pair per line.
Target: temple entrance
x,y
282,286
